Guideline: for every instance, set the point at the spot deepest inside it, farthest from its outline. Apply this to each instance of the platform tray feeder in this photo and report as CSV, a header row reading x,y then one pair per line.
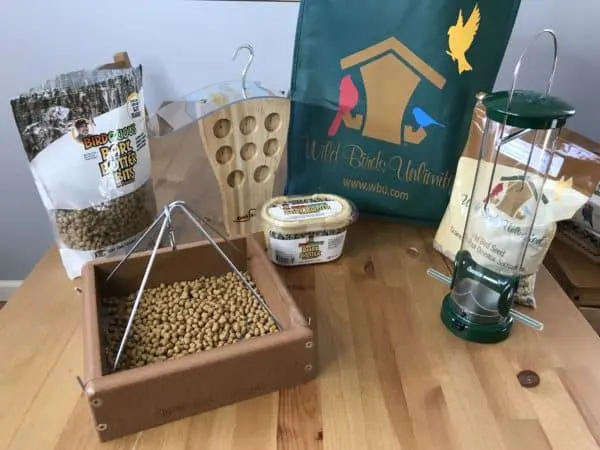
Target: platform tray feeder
x,y
126,401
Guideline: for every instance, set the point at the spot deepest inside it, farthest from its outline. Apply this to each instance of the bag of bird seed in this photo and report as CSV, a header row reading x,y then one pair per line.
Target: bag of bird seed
x,y
382,95
84,135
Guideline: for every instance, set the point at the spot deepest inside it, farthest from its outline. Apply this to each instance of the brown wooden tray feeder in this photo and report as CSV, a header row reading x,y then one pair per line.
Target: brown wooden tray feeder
x,y
128,401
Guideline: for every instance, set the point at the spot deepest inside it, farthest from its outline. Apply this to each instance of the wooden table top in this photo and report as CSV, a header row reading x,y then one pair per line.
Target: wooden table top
x,y
391,376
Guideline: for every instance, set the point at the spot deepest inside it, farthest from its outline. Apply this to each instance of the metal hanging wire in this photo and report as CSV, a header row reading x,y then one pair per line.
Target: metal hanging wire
x,y
515,314
166,226
520,133
246,67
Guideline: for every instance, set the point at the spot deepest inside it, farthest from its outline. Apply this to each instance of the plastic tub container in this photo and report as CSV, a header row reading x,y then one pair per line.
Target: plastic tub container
x,y
306,229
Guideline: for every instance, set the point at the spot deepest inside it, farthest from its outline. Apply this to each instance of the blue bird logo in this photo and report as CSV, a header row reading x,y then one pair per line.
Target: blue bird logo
x,y
423,119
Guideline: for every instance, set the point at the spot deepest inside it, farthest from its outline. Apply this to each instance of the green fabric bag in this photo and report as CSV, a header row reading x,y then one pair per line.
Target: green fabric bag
x,y
382,94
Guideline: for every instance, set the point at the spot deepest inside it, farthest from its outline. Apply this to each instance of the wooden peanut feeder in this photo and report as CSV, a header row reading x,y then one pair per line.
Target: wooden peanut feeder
x,y
244,142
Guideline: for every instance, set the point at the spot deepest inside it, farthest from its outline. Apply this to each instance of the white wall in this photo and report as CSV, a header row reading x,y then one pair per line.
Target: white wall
x,y
195,50
578,75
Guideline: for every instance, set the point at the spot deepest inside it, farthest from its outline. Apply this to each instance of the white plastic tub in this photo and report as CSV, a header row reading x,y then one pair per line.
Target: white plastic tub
x,y
306,229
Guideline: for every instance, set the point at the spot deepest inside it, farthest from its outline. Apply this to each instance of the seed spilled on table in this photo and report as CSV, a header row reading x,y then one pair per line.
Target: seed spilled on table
x,y
182,318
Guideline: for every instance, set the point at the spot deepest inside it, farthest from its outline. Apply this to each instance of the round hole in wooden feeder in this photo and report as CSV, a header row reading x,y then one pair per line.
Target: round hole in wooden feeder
x,y
273,122
224,154
222,128
248,125
248,151
235,178
261,174
101,427
271,147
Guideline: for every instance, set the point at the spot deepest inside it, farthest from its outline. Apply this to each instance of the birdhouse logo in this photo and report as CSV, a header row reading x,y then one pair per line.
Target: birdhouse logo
x,y
515,196
390,74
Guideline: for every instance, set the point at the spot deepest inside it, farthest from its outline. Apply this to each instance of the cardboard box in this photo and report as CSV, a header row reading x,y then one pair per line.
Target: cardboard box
x,y
582,232
132,400
577,276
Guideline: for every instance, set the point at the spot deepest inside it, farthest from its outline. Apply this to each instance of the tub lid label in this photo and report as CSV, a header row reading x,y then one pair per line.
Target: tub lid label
x,y
293,212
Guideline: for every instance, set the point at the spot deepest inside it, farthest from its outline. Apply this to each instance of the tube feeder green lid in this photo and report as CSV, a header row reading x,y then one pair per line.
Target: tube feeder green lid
x,y
528,109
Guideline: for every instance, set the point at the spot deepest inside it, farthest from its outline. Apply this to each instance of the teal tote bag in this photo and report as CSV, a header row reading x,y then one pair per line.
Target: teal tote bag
x,y
382,95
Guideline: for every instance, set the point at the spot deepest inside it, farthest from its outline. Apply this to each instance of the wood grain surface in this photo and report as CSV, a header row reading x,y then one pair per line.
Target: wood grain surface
x,y
391,376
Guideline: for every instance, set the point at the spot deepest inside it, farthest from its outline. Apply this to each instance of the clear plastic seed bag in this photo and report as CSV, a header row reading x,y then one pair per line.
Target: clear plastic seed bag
x,y
84,135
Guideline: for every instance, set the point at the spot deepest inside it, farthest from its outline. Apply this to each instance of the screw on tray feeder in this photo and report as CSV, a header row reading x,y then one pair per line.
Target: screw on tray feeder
x,y
167,226
479,306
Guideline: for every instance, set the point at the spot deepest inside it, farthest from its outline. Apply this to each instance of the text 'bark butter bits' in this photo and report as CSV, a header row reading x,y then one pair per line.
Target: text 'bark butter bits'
x,y
306,229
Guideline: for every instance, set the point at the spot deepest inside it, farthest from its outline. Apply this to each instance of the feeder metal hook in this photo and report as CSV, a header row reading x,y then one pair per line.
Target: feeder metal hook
x,y
247,66
517,68
509,99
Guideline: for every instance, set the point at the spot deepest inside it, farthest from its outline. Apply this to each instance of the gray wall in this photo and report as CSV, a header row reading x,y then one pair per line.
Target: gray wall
x,y
195,51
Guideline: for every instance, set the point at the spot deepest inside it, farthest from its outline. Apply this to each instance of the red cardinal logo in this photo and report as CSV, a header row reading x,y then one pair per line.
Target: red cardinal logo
x,y
494,192
347,101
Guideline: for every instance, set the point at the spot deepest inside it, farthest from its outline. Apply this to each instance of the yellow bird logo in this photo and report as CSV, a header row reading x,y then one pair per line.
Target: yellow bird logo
x,y
460,38
562,185
218,99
